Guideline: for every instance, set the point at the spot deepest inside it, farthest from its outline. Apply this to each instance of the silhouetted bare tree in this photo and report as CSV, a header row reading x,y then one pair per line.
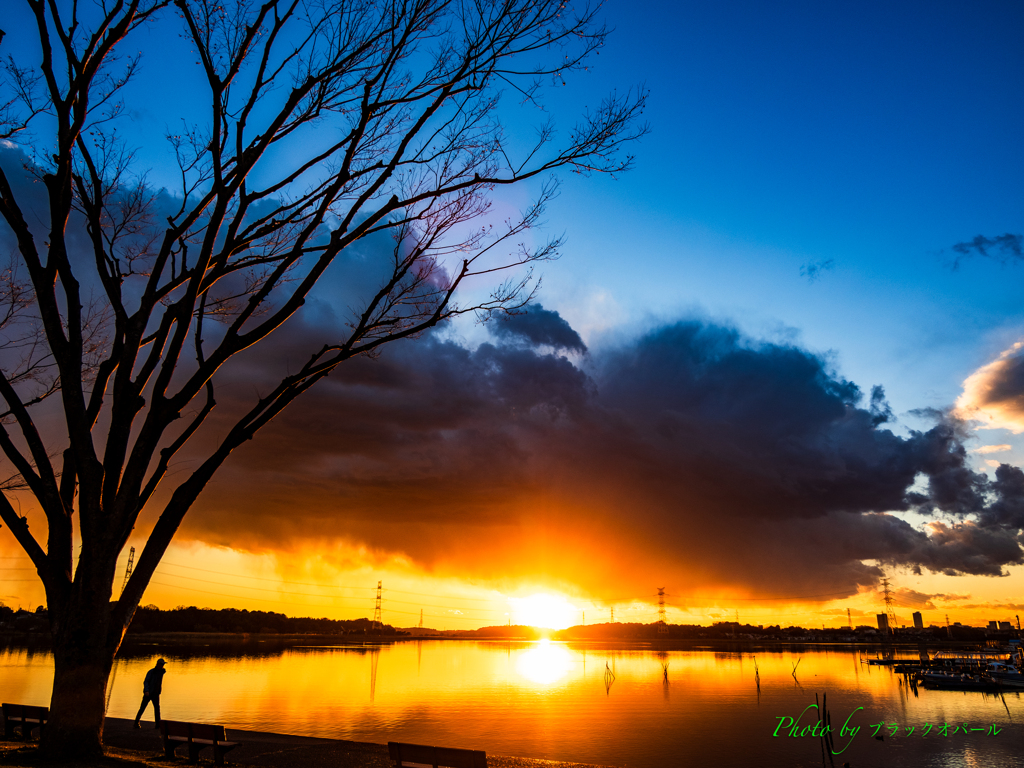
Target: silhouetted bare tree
x,y
389,113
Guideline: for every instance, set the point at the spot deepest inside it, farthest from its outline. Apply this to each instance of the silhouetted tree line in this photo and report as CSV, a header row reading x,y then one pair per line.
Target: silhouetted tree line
x,y
192,619
726,630
516,631
128,306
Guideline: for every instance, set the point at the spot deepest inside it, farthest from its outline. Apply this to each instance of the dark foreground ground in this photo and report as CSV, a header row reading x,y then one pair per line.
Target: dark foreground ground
x,y
130,747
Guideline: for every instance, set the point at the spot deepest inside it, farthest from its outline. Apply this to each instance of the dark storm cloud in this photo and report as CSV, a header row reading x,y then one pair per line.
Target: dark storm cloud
x,y
1008,387
1008,508
1004,248
691,452
691,455
540,327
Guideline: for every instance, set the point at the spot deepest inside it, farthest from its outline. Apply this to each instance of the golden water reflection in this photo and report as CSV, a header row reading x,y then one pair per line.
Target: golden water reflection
x,y
545,663
607,706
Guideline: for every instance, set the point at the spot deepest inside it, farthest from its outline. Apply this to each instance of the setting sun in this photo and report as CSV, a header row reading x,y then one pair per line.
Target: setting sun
x,y
400,407
542,610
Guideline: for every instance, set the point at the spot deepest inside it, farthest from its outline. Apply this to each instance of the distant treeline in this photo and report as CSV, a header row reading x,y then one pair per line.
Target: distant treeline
x,y
513,631
192,619
726,630
627,631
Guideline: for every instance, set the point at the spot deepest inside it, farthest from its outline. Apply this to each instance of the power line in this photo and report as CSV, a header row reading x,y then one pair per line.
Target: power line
x,y
261,589
310,584
308,594
336,597
605,601
257,578
285,602
728,598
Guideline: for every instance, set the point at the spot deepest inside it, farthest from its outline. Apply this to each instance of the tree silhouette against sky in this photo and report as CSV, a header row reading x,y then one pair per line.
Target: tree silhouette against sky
x,y
317,124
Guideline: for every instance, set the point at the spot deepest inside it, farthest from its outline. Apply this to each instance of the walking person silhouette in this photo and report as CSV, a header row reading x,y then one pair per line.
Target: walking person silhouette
x,y
151,692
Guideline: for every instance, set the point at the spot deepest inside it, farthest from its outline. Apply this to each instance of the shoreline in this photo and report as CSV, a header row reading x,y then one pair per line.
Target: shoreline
x,y
127,746
199,639
279,750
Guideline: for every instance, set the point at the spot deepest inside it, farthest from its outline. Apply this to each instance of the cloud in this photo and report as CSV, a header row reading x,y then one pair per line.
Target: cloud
x,y
1007,510
539,327
911,598
987,449
992,606
994,394
1003,248
691,456
814,270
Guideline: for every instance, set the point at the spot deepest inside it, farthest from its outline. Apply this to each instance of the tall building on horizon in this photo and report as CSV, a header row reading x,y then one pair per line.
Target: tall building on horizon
x,y
883,622
918,621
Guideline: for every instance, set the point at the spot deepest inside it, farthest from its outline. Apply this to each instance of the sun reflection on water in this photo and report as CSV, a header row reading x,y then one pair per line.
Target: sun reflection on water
x,y
545,663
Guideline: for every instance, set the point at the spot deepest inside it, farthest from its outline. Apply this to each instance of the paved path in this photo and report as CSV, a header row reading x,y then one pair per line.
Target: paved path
x,y
277,750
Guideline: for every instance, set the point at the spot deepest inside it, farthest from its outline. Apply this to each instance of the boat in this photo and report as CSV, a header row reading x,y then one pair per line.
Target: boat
x,y
1006,674
952,681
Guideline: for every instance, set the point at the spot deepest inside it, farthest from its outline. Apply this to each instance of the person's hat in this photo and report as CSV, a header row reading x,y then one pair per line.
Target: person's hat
x,y
160,662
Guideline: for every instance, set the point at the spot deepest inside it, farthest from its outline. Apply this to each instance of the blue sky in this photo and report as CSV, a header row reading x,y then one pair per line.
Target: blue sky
x,y
808,170
864,139
867,136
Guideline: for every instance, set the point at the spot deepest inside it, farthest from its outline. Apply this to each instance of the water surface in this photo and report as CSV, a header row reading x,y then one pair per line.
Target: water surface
x,y
613,706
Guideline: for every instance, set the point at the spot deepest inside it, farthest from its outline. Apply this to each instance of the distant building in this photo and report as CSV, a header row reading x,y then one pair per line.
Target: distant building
x,y
1005,625
883,622
918,621
993,625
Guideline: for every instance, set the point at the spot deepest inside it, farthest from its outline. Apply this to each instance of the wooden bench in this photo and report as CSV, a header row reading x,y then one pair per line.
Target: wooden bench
x,y
435,757
28,717
197,736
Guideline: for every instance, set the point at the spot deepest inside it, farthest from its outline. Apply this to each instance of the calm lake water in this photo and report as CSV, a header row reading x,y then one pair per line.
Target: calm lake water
x,y
610,706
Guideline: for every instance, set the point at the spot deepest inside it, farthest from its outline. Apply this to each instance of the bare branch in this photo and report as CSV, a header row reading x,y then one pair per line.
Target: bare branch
x,y
323,123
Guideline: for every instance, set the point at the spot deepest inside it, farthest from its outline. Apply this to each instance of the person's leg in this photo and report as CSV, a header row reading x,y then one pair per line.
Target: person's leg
x,y
145,701
156,709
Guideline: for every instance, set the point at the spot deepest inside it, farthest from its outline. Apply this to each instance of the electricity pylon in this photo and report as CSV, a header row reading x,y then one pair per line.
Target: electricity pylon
x,y
377,623
128,570
890,611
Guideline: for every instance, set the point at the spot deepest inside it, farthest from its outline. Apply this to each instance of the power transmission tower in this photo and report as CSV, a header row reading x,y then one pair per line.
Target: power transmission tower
x,y
662,626
377,623
421,618
849,619
890,611
613,614
128,570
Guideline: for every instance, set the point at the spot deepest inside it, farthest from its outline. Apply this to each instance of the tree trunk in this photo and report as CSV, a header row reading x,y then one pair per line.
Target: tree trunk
x,y
75,729
83,655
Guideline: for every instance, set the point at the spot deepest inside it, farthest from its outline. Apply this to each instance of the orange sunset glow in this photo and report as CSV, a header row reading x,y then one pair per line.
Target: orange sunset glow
x,y
299,585
545,382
